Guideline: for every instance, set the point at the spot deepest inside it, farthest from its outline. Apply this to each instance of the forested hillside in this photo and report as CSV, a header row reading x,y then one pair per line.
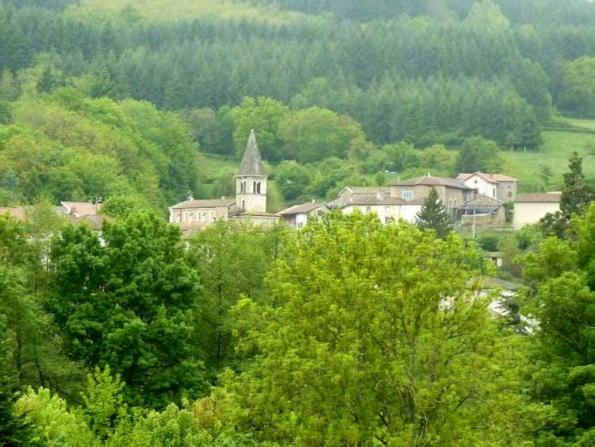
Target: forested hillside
x,y
316,80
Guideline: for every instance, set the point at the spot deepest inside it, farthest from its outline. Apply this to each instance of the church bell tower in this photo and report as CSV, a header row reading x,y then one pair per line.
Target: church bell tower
x,y
251,181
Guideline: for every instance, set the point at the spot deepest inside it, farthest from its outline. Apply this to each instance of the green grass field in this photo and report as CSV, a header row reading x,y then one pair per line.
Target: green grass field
x,y
542,171
168,10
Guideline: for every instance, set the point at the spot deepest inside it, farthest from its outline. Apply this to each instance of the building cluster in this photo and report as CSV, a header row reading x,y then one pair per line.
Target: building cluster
x,y
473,199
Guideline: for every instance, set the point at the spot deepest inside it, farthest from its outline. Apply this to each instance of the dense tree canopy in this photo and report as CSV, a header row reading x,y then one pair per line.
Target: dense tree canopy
x,y
368,341
127,301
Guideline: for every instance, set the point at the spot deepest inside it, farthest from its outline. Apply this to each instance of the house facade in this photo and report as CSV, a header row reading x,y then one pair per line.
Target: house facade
x,y
297,216
249,204
453,193
387,208
529,209
496,186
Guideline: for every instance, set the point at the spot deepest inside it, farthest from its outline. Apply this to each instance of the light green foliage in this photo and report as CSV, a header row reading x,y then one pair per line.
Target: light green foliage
x,y
479,154
69,147
53,425
313,134
264,115
103,402
293,179
561,298
578,92
553,157
104,420
132,305
576,197
438,160
378,336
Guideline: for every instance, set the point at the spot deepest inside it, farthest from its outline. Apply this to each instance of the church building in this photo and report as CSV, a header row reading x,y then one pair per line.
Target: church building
x,y
249,204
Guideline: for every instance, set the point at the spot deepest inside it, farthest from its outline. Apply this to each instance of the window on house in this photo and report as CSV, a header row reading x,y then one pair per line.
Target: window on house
x,y
407,195
493,192
258,187
386,220
509,194
368,209
254,187
300,224
243,204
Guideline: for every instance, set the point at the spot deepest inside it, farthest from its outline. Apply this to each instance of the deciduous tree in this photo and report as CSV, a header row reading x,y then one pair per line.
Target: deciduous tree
x,y
377,335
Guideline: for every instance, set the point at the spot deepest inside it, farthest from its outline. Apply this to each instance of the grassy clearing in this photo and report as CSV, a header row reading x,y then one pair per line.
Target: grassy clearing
x,y
542,171
168,10
213,166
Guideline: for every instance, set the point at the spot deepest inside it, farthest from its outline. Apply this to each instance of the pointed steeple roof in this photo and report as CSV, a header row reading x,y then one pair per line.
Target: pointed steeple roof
x,y
252,163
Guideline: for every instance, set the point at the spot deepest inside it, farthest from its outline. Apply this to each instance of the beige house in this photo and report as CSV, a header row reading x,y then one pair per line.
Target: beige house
x,y
530,208
453,193
496,186
385,207
249,205
297,215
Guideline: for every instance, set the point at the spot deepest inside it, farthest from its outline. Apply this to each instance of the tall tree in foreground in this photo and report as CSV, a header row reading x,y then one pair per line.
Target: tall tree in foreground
x,y
378,336
576,196
434,216
126,302
560,298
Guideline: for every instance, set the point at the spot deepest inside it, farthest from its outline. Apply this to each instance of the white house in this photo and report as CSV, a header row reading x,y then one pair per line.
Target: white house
x,y
297,215
496,186
386,208
530,208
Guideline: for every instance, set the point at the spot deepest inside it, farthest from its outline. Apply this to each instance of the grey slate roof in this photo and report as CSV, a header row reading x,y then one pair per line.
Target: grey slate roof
x,y
493,178
302,208
252,163
366,200
211,203
428,180
549,197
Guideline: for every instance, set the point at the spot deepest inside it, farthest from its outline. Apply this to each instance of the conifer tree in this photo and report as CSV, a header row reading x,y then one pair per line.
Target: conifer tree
x,y
433,215
576,196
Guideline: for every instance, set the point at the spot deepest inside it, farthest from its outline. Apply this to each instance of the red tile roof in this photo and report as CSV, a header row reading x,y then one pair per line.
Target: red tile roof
x,y
428,180
18,212
81,208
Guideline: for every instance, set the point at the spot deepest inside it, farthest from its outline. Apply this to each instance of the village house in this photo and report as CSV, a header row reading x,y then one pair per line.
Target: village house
x,y
249,204
386,208
366,199
496,186
529,209
453,193
297,216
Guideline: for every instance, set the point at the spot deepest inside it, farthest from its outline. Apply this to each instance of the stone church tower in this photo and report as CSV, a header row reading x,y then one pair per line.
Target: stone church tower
x,y
251,181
